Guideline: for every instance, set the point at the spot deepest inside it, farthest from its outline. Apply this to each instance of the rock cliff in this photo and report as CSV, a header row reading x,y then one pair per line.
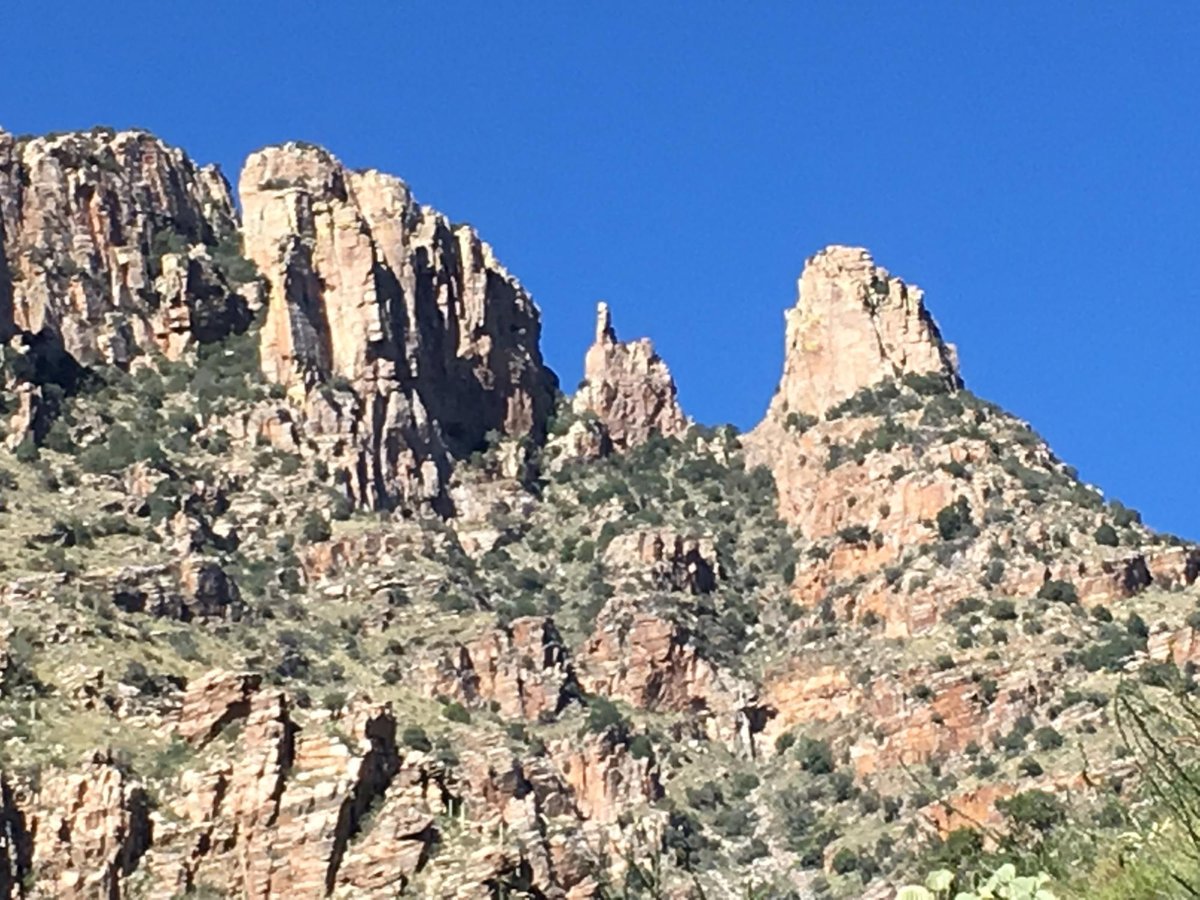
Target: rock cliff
x,y
434,342
108,245
853,326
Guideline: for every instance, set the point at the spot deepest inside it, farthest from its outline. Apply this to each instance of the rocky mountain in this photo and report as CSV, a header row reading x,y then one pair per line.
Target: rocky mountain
x,y
314,584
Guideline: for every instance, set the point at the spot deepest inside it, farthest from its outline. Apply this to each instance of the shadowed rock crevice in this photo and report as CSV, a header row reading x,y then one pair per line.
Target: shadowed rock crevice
x,y
376,771
16,843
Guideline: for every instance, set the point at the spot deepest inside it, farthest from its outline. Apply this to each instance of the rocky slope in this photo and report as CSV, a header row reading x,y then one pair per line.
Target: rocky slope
x,y
313,585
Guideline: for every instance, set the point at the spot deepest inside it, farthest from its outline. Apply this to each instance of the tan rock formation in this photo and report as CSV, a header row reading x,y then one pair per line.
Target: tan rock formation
x,y
603,777
213,701
854,325
666,559
325,805
649,662
628,387
90,829
644,659
196,304
900,730
584,440
29,420
86,220
428,342
523,669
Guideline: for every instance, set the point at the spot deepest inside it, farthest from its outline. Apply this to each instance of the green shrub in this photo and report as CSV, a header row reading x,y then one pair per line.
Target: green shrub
x,y
954,521
927,385
1058,592
855,534
845,861
456,712
705,796
1110,652
603,714
316,529
1047,738
799,422
734,822
641,747
815,756
1033,812
1003,610
1136,626
1122,516
1106,536
742,783
27,451
228,255
414,736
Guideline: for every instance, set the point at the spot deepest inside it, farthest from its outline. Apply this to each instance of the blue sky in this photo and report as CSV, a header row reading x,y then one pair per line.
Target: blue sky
x,y
1033,166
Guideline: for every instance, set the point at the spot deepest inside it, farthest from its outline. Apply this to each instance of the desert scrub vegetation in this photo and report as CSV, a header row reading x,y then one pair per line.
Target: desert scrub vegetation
x,y
697,486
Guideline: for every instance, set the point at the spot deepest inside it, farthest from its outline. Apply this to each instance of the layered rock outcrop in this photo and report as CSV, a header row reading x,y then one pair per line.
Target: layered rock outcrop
x,y
923,607
428,342
107,241
652,663
523,670
90,830
311,806
402,341
628,387
665,560
855,327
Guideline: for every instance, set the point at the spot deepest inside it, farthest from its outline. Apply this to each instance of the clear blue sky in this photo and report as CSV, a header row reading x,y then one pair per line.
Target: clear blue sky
x,y
1033,166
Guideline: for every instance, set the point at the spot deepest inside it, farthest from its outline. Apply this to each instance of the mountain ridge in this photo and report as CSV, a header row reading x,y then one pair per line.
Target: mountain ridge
x,y
317,584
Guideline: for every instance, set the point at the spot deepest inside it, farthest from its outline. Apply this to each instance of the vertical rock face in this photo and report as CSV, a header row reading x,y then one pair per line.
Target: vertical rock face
x,y
92,829
94,229
628,387
436,341
855,325
327,804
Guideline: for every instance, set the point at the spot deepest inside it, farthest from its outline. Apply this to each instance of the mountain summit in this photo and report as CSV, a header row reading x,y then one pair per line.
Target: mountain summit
x,y
854,326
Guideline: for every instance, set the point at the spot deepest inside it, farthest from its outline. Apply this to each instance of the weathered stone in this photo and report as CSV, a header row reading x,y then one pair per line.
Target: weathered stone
x,y
29,420
435,343
522,669
649,662
628,387
213,701
196,303
603,777
90,829
85,219
667,559
853,326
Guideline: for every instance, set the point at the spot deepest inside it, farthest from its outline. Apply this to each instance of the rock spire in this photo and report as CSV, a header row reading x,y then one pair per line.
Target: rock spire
x,y
628,387
853,326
